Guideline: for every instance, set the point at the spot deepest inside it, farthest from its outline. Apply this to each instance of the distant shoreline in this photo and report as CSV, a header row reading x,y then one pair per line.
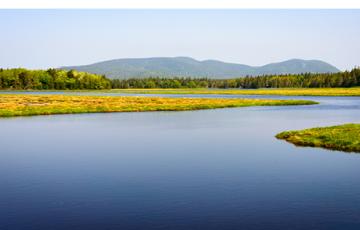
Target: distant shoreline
x,y
355,91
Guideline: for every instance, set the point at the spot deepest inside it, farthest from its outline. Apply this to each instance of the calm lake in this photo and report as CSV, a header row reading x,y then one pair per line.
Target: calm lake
x,y
208,169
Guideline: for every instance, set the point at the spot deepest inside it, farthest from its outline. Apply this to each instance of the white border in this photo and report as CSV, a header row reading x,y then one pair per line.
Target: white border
x,y
179,4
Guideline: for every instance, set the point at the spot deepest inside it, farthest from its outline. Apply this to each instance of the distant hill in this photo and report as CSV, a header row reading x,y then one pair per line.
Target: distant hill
x,y
185,66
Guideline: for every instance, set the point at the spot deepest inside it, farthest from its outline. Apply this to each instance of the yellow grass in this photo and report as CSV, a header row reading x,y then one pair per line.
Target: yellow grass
x,y
283,91
26,105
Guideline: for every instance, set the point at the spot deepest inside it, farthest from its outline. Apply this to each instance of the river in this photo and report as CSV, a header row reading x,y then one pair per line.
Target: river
x,y
206,169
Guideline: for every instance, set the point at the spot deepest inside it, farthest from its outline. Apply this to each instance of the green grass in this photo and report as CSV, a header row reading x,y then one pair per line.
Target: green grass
x,y
27,105
342,137
355,91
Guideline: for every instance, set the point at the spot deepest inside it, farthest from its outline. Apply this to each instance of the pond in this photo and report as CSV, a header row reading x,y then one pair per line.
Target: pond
x,y
207,169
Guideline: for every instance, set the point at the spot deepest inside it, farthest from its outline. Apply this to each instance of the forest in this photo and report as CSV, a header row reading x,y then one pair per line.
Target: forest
x,y
23,79
305,80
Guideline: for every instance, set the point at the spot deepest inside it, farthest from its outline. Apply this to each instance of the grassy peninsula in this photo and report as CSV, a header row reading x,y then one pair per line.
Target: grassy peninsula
x,y
342,137
27,105
280,91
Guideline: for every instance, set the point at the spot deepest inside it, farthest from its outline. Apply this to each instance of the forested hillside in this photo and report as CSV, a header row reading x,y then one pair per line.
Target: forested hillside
x,y
51,79
171,67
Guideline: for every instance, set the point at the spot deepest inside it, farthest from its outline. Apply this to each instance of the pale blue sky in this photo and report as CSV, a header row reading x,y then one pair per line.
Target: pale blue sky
x,y
53,38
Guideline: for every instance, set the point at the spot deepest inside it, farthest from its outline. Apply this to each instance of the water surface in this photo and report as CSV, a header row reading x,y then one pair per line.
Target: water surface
x,y
208,169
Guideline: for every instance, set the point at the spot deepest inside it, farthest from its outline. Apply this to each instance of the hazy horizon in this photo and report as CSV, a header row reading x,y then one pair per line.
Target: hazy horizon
x,y
53,38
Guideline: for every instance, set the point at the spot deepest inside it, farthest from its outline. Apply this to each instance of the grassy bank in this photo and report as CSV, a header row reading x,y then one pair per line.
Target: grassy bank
x,y
26,105
342,137
283,91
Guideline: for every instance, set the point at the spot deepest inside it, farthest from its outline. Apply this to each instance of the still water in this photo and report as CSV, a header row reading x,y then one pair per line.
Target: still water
x,y
209,169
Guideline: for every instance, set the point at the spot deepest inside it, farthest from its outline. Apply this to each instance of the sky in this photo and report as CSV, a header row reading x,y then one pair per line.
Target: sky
x,y
39,39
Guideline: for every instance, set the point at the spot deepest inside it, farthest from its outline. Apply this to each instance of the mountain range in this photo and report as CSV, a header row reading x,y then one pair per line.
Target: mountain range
x,y
189,67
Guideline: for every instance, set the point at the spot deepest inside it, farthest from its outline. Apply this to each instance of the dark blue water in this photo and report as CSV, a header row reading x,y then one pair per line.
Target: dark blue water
x,y
209,169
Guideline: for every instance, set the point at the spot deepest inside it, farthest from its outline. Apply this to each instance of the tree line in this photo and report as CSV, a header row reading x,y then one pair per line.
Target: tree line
x,y
21,78
304,80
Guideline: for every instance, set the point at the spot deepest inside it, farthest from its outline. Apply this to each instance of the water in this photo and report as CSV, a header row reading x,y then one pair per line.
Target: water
x,y
209,169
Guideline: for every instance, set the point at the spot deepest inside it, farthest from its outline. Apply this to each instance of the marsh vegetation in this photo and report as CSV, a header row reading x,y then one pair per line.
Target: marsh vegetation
x,y
26,105
282,92
342,137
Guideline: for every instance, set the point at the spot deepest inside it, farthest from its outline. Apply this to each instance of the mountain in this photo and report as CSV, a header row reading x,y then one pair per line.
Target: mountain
x,y
185,66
